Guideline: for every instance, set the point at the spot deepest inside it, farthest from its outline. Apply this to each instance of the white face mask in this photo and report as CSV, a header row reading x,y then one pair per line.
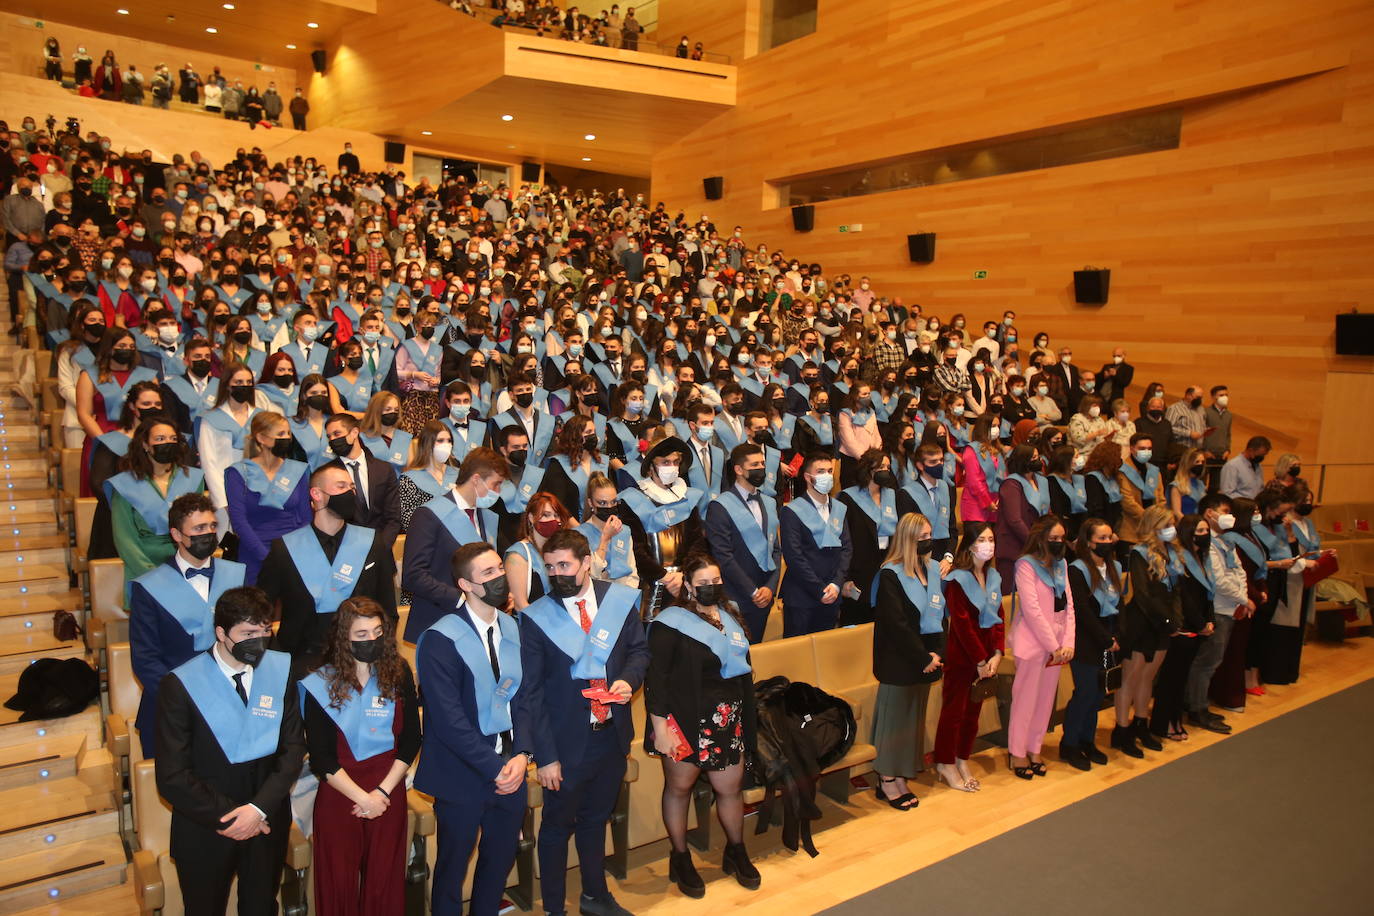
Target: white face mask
x,y
1124,417
667,475
1226,522
442,452
1079,461
1168,534
1118,359
824,483
1094,411
1223,400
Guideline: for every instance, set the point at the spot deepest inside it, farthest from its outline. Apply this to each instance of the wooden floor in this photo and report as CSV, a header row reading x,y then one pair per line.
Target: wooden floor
x,y
865,844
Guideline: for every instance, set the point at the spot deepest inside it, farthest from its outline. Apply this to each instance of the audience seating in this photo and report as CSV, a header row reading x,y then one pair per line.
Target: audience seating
x,y
108,620
121,737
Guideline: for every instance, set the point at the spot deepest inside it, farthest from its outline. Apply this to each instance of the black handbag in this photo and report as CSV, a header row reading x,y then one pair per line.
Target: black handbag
x,y
1111,670
982,689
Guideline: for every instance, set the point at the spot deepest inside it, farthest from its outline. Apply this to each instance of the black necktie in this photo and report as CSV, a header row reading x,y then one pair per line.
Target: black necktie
x,y
238,686
496,673
358,482
754,499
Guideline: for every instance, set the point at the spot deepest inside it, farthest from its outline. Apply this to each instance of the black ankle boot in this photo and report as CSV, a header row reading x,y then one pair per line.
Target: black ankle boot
x,y
683,873
1123,739
1140,727
736,862
1074,757
1095,755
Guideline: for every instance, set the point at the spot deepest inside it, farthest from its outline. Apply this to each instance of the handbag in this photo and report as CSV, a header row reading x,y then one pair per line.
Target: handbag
x,y
1111,670
982,689
64,626
1322,567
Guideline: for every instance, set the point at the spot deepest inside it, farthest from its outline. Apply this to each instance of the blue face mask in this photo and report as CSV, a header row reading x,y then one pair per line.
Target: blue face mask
x,y
1143,455
372,336
937,472
634,407
487,499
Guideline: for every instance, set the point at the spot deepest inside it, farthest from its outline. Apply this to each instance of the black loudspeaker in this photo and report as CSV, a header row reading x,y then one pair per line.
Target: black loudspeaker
x,y
713,187
1355,334
394,152
804,218
529,171
317,58
921,247
1090,286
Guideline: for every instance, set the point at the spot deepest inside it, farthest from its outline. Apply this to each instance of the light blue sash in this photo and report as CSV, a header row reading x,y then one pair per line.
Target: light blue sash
x,y
1171,568
760,541
283,400
1107,597
116,440
617,553
588,651
354,395
397,454
696,474
824,428
543,433
1252,550
884,514
936,509
1038,496
1307,541
1275,544
782,435
516,494
580,477
928,599
224,422
991,466
731,646
366,718
823,533
243,733
151,505
629,442
197,404
772,460
458,524
1057,581
114,393
1110,486
533,560
314,444
987,600
275,492
179,598
655,517
1076,490
492,699
329,583
1148,486
424,362
1199,574
424,480
266,329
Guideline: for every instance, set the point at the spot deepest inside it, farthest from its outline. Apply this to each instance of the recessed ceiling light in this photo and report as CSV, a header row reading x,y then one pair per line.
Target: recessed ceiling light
x,y
290,47
507,117
122,12
212,30
312,25
589,137
228,6
586,158
426,133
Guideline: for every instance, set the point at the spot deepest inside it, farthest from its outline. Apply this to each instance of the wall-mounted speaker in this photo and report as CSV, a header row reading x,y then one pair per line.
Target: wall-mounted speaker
x,y
1355,334
317,58
394,152
921,247
804,218
529,171
1090,286
714,188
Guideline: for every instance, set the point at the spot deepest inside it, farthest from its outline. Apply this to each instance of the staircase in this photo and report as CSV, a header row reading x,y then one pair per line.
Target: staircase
x,y
60,847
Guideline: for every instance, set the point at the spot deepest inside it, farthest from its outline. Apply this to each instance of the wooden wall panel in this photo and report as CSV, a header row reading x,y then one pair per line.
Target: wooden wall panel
x,y
1229,255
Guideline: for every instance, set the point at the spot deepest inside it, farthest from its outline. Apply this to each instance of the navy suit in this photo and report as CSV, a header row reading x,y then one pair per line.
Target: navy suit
x,y
809,570
458,768
738,568
427,572
592,761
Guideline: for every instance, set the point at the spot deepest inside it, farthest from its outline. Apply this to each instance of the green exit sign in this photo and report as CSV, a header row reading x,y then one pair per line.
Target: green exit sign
x,y
980,275
844,228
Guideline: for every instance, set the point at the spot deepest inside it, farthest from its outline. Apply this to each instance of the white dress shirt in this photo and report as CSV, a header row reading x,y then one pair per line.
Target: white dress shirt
x,y
230,673
754,506
570,605
484,628
200,583
364,485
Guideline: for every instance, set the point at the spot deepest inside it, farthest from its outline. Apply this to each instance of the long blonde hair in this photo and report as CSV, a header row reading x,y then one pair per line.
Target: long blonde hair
x,y
1156,517
371,424
263,421
1182,479
902,549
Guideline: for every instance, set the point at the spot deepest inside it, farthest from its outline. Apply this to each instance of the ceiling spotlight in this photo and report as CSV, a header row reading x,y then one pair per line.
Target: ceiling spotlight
x,y
228,6
589,137
426,133
586,158
212,30
290,47
122,12
312,25
507,117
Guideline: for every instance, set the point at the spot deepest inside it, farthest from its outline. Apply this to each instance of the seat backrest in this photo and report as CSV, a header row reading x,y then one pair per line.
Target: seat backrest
x,y
71,472
793,658
398,552
125,690
152,816
107,590
844,657
84,511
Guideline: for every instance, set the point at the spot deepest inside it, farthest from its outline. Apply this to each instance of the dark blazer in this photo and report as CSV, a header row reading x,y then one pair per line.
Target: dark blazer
x,y
426,571
1091,635
1152,615
1100,507
683,681
810,568
1073,385
303,632
1162,439
383,512
560,712
1015,515
738,569
900,651
1114,380
198,781
459,760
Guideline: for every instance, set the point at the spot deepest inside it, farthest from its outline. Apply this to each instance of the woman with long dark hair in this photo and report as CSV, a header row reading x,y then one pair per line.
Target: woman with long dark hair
x,y
1148,621
362,729
1195,588
1097,583
699,697
154,474
577,454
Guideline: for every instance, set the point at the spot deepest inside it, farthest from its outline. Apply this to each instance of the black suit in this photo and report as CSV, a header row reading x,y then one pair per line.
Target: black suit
x,y
196,778
303,632
1073,386
383,509
1115,384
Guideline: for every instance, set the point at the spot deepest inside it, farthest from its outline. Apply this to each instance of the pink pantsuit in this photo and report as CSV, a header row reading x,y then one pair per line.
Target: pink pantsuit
x,y
1038,630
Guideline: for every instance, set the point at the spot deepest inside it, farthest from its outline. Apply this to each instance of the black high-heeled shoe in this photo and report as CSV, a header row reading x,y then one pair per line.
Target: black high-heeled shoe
x,y
1123,739
736,862
1140,729
684,874
1020,772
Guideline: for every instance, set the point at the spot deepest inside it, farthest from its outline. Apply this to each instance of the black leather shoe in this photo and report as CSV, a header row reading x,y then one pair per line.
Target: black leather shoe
x,y
1123,739
601,906
736,862
684,874
1074,757
1140,728
1095,755
1209,721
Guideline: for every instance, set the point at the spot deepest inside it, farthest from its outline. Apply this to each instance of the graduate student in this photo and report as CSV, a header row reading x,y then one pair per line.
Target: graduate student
x,y
742,530
817,549
229,748
584,636
171,606
479,724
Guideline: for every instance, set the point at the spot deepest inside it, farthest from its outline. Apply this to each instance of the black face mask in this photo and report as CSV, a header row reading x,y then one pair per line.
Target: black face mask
x,y
281,447
563,586
427,332
756,476
605,513
201,546
924,546
165,452
1197,469
589,442
1195,403
250,651
496,592
1056,548
344,505
200,367
340,445
710,595
317,401
524,399
95,331
354,362
1295,471
242,337
885,479
519,457
366,651
122,357
284,381
390,418
1105,551
638,375
243,393
1155,415
1201,544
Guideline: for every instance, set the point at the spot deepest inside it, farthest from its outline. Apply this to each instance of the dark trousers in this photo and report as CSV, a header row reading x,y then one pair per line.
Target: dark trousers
x,y
298,122
799,619
755,617
1080,715
207,864
1172,681
580,809
498,817
359,864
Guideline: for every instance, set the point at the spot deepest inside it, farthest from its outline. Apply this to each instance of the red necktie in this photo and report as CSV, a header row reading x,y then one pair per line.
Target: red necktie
x,y
599,710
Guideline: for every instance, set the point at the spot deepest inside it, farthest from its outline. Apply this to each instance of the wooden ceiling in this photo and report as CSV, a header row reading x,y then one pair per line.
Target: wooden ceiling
x,y
254,30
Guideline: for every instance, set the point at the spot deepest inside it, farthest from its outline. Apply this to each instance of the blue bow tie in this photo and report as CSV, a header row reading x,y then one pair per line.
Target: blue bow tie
x,y
192,572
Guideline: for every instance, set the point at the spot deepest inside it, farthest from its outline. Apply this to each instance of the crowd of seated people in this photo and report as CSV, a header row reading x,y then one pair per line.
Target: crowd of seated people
x,y
593,416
